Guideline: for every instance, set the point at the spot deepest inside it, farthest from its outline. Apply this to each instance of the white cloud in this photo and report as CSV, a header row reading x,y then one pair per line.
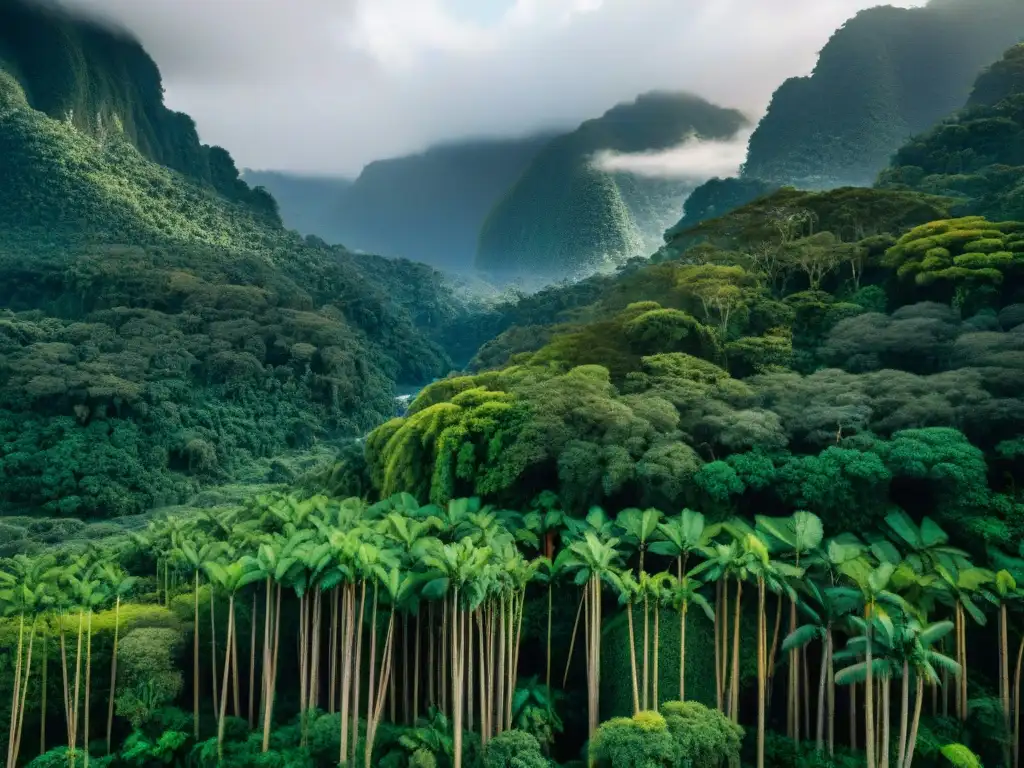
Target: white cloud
x,y
694,159
328,85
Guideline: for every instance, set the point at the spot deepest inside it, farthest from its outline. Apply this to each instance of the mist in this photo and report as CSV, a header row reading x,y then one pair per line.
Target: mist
x,y
693,160
326,86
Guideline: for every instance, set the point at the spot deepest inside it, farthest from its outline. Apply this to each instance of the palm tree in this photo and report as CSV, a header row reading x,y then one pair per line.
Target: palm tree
x,y
793,537
960,588
194,552
594,562
120,585
870,591
89,591
230,577
25,591
824,608
684,593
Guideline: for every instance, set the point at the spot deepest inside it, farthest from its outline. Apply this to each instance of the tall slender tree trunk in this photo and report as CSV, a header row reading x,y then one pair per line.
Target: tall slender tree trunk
x,y
213,649
222,714
869,703
884,738
572,640
547,675
371,693
901,755
113,673
682,653
42,706
1016,705
632,658
349,627
646,670
735,685
762,642
1004,677
719,625
457,660
912,741
268,708
416,655
356,679
252,663
853,716
15,692
195,659
88,689
822,683
774,649
832,693
655,699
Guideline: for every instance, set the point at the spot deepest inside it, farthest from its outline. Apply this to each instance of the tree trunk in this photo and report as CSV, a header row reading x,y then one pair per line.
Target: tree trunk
x,y
1004,677
88,689
646,669
632,658
832,694
252,662
356,678
268,708
416,668
774,649
15,692
372,692
884,760
1016,705
227,678
762,642
195,659
332,687
547,676
657,643
213,650
572,640
904,713
735,685
113,673
42,706
682,653
349,628
869,704
912,742
822,682
457,660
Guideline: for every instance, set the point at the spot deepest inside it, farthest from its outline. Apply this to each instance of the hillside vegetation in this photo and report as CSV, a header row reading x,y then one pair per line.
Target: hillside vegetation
x,y
977,155
158,337
102,82
887,74
564,215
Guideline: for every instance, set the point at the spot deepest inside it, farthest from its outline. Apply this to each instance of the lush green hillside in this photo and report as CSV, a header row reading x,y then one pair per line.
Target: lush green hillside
x,y
887,74
565,215
306,203
156,336
977,155
103,82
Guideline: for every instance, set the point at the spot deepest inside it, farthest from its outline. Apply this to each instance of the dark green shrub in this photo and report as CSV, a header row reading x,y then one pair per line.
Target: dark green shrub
x,y
514,749
704,737
641,741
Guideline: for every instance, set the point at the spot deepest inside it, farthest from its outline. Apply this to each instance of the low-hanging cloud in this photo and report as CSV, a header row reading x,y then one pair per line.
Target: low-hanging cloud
x,y
694,159
329,85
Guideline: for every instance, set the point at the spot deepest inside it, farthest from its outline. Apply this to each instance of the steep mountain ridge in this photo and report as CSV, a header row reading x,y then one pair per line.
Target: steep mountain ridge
x,y
102,81
886,74
564,214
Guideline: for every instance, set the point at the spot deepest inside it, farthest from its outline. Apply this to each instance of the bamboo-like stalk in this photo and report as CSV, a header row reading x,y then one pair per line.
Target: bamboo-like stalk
x,y
113,674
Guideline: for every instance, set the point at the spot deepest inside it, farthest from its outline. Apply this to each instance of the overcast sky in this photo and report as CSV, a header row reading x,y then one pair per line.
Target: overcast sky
x,y
326,86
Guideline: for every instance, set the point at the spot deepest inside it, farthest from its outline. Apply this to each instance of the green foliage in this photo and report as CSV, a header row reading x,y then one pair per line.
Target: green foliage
x,y
104,84
641,741
149,677
704,737
514,749
960,756
1002,80
565,215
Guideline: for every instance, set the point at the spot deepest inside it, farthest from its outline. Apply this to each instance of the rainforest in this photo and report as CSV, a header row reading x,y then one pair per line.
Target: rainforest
x,y
498,454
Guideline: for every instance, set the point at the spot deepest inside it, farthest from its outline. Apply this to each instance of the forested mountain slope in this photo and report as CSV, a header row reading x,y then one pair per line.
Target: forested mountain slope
x,y
565,215
157,336
427,206
103,82
977,155
887,74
